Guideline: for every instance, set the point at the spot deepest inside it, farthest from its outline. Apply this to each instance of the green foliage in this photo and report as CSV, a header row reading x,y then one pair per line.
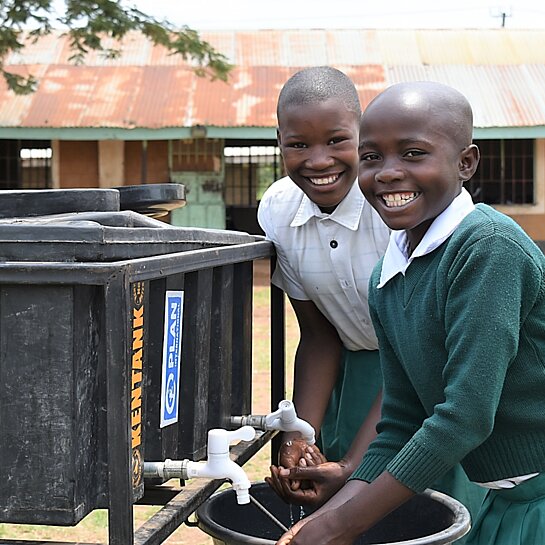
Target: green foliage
x,y
88,24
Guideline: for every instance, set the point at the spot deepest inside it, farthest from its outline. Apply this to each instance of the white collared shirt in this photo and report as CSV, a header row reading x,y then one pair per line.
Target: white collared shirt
x,y
326,258
397,259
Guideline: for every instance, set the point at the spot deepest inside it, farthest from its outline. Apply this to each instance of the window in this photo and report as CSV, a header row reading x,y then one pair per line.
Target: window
x,y
25,164
249,171
196,155
505,174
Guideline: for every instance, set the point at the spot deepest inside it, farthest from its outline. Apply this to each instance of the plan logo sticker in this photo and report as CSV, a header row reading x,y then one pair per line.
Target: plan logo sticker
x,y
172,351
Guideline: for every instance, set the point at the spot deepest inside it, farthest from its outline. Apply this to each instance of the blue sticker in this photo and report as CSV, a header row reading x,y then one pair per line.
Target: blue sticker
x,y
172,352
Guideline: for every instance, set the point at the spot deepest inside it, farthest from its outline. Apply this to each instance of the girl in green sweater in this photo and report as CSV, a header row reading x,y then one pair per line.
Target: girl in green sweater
x,y
458,305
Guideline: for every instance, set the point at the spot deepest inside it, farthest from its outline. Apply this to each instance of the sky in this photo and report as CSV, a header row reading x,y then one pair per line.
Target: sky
x,y
304,14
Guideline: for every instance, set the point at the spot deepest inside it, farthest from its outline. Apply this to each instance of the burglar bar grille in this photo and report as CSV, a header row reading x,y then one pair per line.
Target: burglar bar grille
x,y
25,164
505,174
249,171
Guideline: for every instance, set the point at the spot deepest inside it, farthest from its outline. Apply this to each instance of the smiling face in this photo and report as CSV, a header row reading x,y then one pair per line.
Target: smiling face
x,y
414,156
319,145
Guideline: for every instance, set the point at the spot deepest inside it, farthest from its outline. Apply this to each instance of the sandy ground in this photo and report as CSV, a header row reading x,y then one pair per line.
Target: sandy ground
x,y
261,272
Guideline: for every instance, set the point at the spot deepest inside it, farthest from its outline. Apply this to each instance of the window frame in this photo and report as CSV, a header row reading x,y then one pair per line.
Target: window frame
x,y
511,180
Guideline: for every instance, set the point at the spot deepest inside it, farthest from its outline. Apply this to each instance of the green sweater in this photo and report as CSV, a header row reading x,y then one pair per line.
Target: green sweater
x,y
462,344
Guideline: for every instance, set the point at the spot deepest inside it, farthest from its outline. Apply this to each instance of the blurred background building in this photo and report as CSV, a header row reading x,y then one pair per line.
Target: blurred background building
x,y
146,118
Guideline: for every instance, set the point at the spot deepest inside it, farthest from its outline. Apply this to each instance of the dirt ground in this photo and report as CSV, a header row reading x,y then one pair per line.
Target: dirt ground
x,y
262,272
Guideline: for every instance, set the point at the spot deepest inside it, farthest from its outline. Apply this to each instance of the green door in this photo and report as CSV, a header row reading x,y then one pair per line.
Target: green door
x,y
205,205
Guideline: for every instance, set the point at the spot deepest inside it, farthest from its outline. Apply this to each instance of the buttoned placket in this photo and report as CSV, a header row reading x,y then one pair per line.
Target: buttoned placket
x,y
330,237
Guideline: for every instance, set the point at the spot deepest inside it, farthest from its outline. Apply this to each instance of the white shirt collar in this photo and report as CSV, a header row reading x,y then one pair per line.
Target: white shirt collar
x,y
396,259
347,213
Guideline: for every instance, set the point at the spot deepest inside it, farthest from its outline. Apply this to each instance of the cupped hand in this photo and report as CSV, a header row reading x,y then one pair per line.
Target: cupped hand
x,y
312,482
291,452
296,453
318,483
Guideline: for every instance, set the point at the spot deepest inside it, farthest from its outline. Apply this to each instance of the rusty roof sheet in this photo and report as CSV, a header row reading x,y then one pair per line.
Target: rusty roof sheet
x,y
502,72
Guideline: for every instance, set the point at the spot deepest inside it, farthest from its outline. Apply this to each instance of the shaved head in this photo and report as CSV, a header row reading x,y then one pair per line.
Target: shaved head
x,y
318,84
435,102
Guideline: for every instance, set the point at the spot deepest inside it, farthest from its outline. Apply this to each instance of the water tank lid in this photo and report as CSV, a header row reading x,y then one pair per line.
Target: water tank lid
x,y
44,202
153,200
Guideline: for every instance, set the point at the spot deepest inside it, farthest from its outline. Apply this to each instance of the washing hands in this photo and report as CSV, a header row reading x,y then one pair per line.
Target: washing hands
x,y
304,476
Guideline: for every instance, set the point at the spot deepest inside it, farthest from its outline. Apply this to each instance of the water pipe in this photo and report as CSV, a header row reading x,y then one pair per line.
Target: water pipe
x,y
283,419
218,465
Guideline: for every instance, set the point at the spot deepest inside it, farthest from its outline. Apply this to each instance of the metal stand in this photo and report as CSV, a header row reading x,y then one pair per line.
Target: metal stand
x,y
198,269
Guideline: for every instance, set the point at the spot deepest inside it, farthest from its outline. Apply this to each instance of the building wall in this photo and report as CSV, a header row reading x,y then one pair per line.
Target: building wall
x,y
55,164
111,163
532,217
156,158
108,163
78,164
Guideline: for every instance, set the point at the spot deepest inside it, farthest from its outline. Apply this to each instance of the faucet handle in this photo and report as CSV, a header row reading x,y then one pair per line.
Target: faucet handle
x,y
220,439
285,414
285,419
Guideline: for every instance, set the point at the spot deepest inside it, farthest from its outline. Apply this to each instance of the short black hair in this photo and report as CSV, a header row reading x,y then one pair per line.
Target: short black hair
x,y
317,84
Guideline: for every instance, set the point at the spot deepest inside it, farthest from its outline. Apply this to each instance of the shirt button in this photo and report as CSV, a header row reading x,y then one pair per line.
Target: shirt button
x,y
333,243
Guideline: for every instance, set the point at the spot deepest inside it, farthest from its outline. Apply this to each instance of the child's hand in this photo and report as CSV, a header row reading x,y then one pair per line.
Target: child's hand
x,y
286,538
297,453
313,457
316,530
317,483
291,452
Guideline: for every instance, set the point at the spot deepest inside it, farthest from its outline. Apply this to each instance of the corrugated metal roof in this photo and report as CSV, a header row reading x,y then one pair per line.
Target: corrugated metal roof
x,y
502,72
501,96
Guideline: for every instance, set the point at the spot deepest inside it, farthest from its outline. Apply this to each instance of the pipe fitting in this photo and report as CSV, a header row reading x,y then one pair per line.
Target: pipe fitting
x,y
218,465
256,421
169,469
283,419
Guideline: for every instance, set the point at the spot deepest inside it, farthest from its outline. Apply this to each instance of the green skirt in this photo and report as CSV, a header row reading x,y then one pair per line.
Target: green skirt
x,y
512,516
358,384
